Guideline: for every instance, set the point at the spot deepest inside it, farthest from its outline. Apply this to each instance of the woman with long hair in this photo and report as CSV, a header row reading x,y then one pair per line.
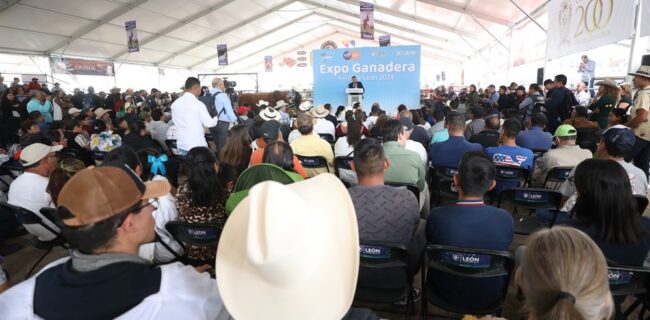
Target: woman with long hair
x,y
138,137
604,102
237,150
61,174
625,91
202,199
564,277
606,211
617,116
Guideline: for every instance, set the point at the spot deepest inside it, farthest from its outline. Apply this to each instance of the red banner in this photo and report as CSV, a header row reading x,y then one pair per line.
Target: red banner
x,y
82,67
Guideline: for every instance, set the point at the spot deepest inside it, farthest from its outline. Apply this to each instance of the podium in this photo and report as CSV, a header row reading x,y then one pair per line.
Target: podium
x,y
354,95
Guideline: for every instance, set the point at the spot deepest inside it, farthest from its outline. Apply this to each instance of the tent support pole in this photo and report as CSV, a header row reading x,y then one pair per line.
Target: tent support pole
x,y
635,36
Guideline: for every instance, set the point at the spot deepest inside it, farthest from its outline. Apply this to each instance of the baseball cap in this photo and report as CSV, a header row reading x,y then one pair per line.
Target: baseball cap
x,y
98,193
35,152
269,130
406,123
74,110
619,135
565,130
242,110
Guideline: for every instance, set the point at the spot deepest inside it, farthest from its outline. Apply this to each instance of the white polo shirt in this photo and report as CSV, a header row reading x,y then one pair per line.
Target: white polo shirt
x,y
28,191
190,116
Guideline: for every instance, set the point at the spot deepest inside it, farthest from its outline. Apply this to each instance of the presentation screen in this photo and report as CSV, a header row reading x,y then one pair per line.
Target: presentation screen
x,y
389,75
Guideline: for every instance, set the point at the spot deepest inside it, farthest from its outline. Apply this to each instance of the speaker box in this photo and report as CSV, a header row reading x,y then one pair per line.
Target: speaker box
x,y
540,76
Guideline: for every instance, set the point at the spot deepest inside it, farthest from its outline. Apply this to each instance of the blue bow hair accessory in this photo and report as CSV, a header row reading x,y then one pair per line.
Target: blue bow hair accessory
x,y
158,164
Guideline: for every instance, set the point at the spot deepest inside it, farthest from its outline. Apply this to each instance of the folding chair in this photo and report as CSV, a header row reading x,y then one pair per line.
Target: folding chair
x,y
196,234
344,163
172,146
466,263
538,153
27,217
442,184
313,162
641,203
557,175
587,138
99,155
411,187
327,137
532,199
629,280
505,174
385,274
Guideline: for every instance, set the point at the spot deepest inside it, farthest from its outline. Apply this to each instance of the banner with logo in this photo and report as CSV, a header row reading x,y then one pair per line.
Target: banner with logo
x,y
82,66
132,36
580,25
268,63
390,75
384,41
222,54
367,18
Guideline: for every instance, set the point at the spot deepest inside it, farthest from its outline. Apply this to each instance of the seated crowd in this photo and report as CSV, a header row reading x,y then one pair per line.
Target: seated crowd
x,y
117,170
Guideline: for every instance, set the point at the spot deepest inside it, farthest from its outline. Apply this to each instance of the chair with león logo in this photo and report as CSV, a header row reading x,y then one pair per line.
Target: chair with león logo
x,y
531,199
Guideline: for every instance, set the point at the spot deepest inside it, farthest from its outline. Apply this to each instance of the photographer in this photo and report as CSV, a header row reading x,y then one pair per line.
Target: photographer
x,y
225,113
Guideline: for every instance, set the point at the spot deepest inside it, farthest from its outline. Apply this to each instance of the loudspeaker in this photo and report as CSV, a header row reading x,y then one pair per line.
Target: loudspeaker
x,y
645,60
540,76
443,76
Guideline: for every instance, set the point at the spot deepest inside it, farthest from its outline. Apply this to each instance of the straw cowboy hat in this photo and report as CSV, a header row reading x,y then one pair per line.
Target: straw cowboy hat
x,y
644,71
270,114
279,104
608,82
99,112
320,112
262,103
305,106
287,252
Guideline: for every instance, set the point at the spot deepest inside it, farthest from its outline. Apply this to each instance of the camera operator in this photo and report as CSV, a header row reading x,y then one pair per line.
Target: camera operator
x,y
226,114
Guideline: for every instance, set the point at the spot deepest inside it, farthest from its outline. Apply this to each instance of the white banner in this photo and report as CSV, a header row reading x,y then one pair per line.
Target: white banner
x,y
645,18
581,25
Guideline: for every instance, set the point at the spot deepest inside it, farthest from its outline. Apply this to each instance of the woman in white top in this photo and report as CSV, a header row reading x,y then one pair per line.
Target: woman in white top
x,y
344,147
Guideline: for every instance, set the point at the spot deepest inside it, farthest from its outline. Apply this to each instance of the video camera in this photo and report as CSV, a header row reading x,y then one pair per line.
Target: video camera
x,y
230,91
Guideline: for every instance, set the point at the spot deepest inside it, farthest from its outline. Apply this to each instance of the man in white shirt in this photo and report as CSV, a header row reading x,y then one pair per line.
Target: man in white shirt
x,y
322,125
190,116
158,127
582,96
29,189
107,214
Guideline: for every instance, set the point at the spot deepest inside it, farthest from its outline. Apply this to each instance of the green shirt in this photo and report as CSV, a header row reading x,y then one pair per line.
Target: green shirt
x,y
406,167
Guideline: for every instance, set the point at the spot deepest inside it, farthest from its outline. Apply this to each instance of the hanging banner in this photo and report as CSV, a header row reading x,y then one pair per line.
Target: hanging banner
x,y
82,66
580,25
384,41
367,20
132,36
645,18
268,63
222,54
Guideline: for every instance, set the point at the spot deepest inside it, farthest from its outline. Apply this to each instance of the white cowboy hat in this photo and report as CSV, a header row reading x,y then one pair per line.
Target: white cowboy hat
x,y
607,82
287,252
262,102
270,114
644,71
319,112
279,104
305,106
99,112
74,110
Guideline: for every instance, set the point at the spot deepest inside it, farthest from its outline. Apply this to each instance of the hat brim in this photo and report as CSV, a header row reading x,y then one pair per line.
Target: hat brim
x,y
639,74
333,279
155,189
319,115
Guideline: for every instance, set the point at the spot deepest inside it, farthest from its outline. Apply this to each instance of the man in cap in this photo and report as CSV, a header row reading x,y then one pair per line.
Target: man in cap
x,y
311,145
567,153
322,125
285,118
615,143
639,120
29,190
74,112
270,132
107,215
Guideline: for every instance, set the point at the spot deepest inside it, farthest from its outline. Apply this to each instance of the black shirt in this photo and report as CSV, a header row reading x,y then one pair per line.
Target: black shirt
x,y
138,142
487,138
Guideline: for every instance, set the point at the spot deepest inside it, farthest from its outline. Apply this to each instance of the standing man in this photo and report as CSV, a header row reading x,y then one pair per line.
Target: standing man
x,y
190,116
639,121
582,95
356,85
586,70
225,114
559,107
41,103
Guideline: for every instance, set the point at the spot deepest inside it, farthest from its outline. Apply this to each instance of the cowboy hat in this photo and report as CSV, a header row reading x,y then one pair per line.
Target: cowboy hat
x,y
290,252
607,82
305,106
262,103
644,71
270,114
279,104
320,112
73,111
99,112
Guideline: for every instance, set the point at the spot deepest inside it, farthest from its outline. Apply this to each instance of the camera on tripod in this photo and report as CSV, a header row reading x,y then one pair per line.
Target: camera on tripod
x,y
230,90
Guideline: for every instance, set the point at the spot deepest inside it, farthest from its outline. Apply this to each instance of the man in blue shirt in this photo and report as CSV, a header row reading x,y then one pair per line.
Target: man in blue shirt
x,y
447,154
509,154
42,104
535,138
226,114
470,224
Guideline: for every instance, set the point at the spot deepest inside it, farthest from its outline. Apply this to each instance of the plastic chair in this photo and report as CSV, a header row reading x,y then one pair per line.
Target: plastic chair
x,y
466,263
532,199
314,162
27,217
344,163
442,184
641,203
197,234
538,153
385,260
327,137
629,280
557,175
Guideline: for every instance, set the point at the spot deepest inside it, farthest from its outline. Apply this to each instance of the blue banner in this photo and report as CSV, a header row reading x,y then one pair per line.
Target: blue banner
x,y
389,75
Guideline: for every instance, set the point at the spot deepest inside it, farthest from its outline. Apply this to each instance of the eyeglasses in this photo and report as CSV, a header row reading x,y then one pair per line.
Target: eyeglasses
x,y
153,202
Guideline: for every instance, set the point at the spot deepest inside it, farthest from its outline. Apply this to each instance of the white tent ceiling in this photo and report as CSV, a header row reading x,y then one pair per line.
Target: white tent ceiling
x,y
185,33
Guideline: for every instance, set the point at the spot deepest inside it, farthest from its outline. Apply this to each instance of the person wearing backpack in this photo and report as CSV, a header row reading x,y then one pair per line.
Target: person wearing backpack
x,y
561,102
219,106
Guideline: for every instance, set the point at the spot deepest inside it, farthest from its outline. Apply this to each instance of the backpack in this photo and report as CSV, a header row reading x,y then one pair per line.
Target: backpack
x,y
208,101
